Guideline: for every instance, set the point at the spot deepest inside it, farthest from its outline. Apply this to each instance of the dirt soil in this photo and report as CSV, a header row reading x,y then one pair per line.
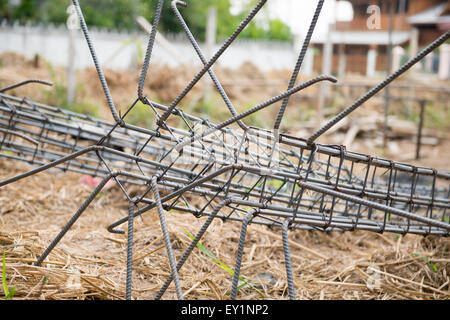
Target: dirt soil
x,y
90,262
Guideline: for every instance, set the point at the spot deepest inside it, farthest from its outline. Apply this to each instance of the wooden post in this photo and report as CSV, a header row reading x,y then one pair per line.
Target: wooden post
x,y
71,73
37,61
388,71
73,24
327,56
419,129
342,61
211,31
160,40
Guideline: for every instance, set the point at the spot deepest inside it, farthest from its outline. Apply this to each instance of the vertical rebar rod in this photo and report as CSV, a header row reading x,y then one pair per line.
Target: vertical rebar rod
x,y
204,61
378,87
130,249
72,220
97,63
148,53
287,259
165,231
216,56
194,242
299,63
240,252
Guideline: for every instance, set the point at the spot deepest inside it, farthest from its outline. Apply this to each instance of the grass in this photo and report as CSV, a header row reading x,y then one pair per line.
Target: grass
x,y
212,107
86,107
435,115
9,294
222,265
57,96
141,115
432,266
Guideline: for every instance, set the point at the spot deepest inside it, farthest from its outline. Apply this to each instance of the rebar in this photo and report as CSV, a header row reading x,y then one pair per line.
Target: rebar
x,y
22,83
288,182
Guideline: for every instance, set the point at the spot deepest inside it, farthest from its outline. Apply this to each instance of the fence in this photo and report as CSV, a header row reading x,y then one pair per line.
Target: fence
x,y
121,49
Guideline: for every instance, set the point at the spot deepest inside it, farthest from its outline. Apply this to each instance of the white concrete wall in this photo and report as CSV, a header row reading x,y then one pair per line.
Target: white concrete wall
x,y
51,42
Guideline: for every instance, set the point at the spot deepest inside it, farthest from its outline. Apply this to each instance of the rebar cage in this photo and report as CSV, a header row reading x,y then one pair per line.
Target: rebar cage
x,y
228,170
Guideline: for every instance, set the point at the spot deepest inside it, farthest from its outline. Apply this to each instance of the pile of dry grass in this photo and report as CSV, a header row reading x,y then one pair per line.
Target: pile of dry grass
x,y
89,263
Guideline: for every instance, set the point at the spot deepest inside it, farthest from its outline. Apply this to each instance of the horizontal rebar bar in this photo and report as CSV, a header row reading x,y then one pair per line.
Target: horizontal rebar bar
x,y
251,176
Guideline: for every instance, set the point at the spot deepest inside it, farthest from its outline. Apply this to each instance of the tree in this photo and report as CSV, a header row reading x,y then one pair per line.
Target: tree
x,y
120,14
25,10
195,15
111,14
279,30
4,9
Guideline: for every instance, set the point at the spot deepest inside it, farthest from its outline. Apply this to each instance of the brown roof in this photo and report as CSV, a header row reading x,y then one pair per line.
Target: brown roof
x,y
435,15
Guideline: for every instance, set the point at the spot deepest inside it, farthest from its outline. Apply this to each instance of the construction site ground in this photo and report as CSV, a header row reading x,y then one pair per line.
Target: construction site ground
x,y
90,262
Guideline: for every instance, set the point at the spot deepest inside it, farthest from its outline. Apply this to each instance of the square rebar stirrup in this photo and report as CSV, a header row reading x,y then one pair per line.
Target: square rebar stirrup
x,y
238,173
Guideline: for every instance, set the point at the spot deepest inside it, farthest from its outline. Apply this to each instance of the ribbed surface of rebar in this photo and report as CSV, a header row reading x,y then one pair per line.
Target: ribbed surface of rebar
x,y
436,43
298,65
248,175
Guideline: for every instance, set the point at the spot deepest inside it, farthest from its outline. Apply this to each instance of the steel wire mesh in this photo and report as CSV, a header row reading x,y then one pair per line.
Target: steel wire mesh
x,y
228,170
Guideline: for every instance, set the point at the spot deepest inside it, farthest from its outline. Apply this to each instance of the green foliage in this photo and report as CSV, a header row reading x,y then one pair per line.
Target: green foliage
x,y
111,14
168,22
85,107
52,11
8,294
25,10
57,96
432,266
141,115
120,14
196,14
257,119
274,30
207,106
435,116
4,11
274,183
279,30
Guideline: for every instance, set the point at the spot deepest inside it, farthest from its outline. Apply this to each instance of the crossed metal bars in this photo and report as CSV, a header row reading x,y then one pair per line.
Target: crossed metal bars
x,y
250,175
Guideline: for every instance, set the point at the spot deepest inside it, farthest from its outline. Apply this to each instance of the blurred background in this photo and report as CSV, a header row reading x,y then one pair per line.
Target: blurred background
x,y
358,41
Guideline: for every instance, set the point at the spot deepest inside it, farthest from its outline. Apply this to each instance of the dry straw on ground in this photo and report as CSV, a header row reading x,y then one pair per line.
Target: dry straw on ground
x,y
89,263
